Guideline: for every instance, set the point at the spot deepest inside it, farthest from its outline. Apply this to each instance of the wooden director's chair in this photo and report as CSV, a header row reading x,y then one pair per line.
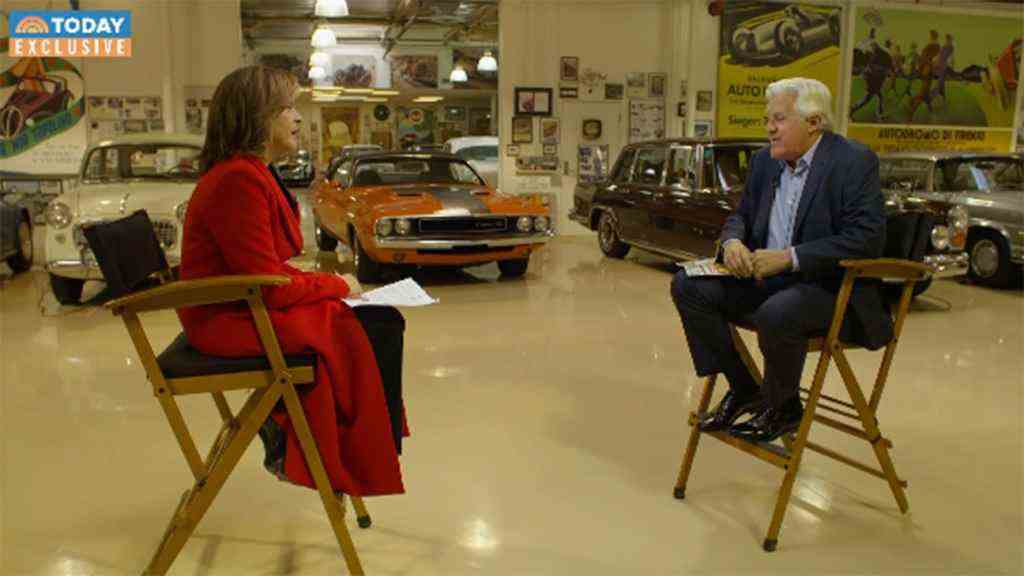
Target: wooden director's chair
x,y
129,252
860,412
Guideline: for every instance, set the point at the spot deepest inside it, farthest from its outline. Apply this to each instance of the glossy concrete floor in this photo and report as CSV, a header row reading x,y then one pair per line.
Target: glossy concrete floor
x,y
548,418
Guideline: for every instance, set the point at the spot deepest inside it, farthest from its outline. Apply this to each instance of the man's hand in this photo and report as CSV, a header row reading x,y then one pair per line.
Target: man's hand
x,y
771,262
354,289
738,259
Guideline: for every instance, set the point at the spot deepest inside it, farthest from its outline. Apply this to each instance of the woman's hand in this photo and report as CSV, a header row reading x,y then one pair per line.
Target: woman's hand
x,y
354,289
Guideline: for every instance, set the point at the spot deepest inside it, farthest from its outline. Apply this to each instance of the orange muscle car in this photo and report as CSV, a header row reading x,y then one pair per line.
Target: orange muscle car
x,y
424,209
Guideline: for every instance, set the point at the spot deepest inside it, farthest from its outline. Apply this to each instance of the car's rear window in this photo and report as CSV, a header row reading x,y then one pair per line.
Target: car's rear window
x,y
398,171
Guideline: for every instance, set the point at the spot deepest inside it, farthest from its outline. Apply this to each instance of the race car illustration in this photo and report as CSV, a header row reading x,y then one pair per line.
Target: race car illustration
x,y
34,98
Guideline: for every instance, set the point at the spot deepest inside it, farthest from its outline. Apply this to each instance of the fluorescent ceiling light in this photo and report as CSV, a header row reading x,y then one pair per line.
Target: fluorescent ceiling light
x,y
487,63
374,99
459,75
386,92
321,59
323,38
331,8
359,90
428,99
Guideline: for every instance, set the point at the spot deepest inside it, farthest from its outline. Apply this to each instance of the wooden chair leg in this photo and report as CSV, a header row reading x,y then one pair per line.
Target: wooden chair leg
x,y
771,540
316,466
196,501
362,515
691,446
870,423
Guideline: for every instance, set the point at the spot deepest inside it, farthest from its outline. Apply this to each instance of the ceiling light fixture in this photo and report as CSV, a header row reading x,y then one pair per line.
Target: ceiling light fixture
x,y
331,8
428,99
386,92
321,59
323,38
459,75
487,63
317,73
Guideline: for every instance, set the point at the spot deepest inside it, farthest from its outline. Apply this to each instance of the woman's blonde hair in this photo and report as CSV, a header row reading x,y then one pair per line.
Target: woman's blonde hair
x,y
243,105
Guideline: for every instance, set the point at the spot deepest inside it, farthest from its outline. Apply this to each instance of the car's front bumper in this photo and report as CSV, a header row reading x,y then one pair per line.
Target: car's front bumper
x,y
457,252
947,265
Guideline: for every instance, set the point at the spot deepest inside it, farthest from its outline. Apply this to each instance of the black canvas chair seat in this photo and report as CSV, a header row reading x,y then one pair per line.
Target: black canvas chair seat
x,y
181,360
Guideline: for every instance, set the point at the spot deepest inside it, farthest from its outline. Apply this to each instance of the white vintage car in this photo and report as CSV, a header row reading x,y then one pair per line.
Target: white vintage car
x,y
481,152
152,172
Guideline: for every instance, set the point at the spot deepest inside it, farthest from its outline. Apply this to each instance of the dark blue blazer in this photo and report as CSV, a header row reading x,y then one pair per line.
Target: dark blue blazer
x,y
841,216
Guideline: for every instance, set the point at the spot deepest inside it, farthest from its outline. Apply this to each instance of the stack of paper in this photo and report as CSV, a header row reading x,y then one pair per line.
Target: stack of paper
x,y
706,267
402,293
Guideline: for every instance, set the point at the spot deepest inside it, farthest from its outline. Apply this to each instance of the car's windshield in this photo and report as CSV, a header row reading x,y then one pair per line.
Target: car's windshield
x,y
980,174
146,161
732,164
904,173
397,171
479,153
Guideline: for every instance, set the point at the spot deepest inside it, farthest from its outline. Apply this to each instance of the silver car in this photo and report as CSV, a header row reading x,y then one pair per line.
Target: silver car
x,y
989,186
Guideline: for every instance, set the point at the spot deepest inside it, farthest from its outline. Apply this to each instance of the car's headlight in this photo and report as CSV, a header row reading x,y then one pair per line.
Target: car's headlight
x,y
524,223
384,227
540,223
403,226
940,237
958,221
58,215
180,211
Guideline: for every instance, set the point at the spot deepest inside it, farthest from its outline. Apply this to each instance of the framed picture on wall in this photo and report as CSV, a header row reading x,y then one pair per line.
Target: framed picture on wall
x,y
656,85
551,150
702,129
512,150
549,131
704,101
533,102
522,130
591,129
613,91
570,69
568,92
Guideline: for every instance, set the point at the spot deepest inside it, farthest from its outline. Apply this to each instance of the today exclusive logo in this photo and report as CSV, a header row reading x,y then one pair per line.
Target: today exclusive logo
x,y
71,34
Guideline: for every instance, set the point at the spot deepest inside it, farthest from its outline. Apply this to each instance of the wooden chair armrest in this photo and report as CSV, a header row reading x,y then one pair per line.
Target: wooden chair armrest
x,y
184,293
887,268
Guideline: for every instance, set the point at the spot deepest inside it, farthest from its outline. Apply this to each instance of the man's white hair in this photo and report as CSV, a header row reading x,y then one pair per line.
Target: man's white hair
x,y
813,98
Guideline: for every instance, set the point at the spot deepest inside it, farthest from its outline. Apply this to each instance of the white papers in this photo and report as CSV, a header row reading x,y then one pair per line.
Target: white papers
x,y
402,293
706,267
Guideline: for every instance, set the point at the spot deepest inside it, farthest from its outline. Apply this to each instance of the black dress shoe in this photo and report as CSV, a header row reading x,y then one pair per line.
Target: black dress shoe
x,y
731,407
768,424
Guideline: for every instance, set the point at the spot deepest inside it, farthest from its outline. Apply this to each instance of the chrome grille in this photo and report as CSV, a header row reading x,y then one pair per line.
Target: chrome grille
x,y
166,231
478,225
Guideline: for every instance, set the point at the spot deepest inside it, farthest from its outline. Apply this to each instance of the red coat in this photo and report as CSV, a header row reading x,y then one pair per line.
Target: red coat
x,y
239,222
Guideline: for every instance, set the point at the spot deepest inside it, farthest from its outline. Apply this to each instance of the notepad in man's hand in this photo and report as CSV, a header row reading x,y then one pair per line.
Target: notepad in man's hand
x,y
402,293
705,267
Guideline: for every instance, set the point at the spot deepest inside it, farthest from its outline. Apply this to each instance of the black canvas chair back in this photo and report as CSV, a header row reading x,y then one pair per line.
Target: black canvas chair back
x,y
128,252
907,235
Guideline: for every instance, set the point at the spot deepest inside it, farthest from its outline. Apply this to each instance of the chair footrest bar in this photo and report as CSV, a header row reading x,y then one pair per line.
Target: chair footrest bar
x,y
833,409
851,462
770,453
830,399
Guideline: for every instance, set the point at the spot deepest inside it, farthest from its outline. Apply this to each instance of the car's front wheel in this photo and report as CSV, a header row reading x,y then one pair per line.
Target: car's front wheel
x,y
990,258
324,241
608,237
66,290
513,268
22,260
367,270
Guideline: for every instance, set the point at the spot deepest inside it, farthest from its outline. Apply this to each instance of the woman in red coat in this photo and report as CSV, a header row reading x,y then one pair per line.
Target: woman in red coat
x,y
241,220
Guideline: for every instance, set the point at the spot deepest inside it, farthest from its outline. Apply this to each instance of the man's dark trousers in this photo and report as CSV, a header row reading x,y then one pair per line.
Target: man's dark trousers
x,y
785,311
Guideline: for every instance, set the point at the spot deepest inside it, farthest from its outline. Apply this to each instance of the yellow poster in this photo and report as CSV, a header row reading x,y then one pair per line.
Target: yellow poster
x,y
885,139
762,42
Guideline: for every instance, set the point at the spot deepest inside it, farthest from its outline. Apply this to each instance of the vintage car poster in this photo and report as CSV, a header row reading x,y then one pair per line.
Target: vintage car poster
x,y
593,163
646,120
762,42
413,71
467,57
340,128
925,80
355,70
42,113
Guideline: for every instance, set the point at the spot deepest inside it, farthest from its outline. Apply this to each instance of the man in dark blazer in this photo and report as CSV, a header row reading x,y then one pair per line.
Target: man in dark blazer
x,y
812,199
